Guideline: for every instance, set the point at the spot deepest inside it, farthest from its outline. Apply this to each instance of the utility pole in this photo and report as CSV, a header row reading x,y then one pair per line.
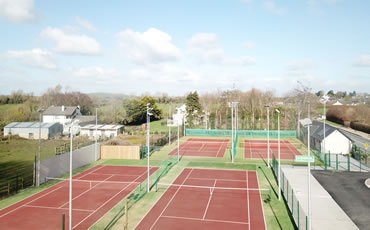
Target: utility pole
x,y
148,114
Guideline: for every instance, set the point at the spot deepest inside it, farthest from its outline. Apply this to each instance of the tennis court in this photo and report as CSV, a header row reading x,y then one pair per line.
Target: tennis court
x,y
202,147
95,192
258,149
208,199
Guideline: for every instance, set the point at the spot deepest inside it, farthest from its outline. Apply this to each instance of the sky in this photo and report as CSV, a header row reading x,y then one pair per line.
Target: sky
x,y
146,47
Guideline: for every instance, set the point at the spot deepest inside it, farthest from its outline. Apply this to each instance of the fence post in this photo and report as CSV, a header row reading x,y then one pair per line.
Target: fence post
x,y
325,161
348,163
292,203
329,159
16,184
298,213
283,183
63,221
306,223
336,161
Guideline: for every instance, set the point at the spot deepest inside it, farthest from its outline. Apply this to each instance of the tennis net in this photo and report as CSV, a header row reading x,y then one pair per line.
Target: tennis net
x,y
265,193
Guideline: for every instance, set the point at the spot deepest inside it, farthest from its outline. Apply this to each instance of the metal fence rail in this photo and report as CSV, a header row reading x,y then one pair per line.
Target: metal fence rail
x,y
241,133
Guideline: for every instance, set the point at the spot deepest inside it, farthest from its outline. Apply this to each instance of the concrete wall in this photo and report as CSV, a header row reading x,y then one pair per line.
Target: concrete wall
x,y
59,164
99,133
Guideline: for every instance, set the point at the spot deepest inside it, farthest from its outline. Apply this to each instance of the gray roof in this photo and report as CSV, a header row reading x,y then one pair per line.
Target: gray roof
x,y
317,130
57,110
29,125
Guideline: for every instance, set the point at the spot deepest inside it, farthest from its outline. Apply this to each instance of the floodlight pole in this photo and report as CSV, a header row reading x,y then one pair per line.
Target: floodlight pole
x,y
148,113
279,169
70,177
96,134
232,132
178,141
39,158
268,135
184,124
324,128
309,179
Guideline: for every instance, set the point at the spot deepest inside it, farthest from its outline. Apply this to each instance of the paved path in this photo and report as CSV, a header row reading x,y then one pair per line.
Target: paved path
x,y
325,211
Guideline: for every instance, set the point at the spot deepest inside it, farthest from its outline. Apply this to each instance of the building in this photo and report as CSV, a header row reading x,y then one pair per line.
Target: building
x,y
30,130
102,131
63,115
335,141
179,115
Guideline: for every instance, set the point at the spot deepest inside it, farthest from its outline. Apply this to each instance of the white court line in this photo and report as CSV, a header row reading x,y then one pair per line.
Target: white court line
x,y
45,207
249,212
218,151
211,220
84,191
113,174
209,200
31,201
108,201
37,197
178,189
263,213
78,176
201,147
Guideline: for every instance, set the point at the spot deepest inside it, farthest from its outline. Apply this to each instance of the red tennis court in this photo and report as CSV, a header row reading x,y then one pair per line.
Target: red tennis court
x,y
208,199
201,147
258,149
95,192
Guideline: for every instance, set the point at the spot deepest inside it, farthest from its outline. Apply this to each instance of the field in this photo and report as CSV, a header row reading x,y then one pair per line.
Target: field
x,y
17,158
275,213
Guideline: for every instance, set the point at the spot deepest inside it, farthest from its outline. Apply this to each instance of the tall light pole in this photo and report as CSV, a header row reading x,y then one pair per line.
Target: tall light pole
x,y
96,134
39,157
279,169
148,114
324,100
70,176
184,125
307,123
268,135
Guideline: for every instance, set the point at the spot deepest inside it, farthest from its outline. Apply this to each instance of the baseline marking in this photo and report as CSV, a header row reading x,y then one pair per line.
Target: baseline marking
x,y
211,220
209,200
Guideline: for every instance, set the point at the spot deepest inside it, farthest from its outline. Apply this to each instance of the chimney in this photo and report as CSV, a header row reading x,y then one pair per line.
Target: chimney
x,y
63,108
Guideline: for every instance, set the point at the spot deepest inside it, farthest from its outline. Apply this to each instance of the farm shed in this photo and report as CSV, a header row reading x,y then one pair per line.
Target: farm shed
x,y
30,130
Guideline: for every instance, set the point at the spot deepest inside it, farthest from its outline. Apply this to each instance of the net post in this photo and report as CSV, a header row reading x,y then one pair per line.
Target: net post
x,y
63,221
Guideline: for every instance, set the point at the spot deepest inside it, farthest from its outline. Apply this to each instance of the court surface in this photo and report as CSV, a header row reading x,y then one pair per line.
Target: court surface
x,y
95,192
202,147
185,207
258,149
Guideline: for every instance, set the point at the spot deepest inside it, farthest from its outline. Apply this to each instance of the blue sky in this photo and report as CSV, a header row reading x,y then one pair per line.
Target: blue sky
x,y
137,47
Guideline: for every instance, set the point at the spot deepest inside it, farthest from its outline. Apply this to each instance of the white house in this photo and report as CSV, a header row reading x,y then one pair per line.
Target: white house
x,y
101,130
31,130
335,141
61,114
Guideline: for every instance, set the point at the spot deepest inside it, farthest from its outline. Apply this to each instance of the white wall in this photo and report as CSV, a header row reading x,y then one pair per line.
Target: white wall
x,y
61,119
337,143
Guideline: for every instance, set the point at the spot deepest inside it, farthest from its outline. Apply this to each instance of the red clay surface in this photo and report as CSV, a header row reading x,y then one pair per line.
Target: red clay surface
x,y
183,207
258,149
202,147
91,200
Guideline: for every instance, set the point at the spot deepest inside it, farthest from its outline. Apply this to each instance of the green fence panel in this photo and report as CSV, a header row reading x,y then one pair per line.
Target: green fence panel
x,y
242,133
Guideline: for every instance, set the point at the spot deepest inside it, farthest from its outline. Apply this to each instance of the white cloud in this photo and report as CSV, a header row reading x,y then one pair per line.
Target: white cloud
x,y
69,42
300,65
273,8
96,72
85,24
151,46
363,61
204,48
35,58
249,44
17,11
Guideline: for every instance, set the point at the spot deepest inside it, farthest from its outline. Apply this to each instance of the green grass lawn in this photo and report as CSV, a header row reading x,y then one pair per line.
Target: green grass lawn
x,y
6,107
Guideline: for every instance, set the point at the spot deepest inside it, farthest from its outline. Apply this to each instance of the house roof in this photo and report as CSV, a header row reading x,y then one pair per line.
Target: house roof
x,y
85,118
318,130
58,110
29,125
